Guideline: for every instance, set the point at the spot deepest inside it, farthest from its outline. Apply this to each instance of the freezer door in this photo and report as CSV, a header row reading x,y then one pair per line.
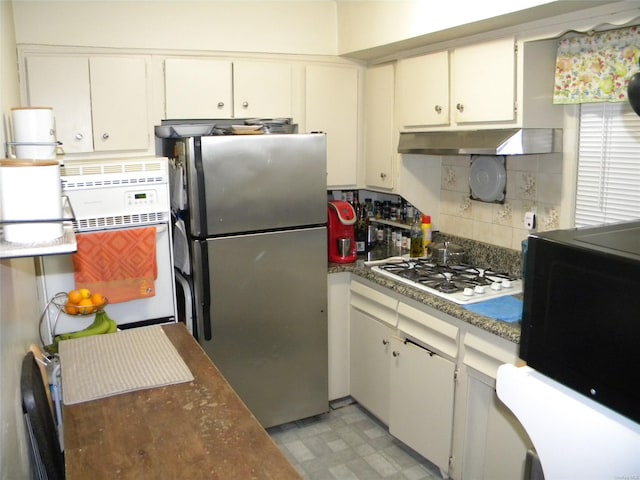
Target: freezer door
x,y
251,183
268,320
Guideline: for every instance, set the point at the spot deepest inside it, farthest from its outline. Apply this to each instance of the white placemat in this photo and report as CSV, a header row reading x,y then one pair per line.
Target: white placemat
x,y
104,365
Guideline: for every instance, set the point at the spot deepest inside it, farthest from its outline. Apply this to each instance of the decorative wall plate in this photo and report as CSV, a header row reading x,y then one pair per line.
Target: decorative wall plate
x,y
488,178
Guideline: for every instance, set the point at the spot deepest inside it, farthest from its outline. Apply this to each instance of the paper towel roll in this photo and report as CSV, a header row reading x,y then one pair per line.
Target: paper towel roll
x,y
30,191
33,126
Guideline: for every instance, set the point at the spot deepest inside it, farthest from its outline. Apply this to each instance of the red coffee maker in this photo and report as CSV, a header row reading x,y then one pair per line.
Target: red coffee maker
x,y
340,231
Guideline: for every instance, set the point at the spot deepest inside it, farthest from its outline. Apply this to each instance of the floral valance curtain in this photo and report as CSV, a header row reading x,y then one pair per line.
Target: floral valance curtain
x,y
596,68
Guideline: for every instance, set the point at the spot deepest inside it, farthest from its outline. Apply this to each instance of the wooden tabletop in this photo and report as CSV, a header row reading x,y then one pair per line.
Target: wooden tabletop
x,y
194,430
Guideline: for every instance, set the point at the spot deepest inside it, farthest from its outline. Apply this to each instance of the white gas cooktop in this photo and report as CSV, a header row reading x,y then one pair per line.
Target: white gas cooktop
x,y
461,284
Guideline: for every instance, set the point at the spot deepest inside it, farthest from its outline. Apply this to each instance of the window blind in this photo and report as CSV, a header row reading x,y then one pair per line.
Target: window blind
x,y
608,181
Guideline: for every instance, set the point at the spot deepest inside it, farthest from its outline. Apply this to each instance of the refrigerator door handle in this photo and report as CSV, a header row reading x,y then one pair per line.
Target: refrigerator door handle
x,y
206,296
199,210
202,287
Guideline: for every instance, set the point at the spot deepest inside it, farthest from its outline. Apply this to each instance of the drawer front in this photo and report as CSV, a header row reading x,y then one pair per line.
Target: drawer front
x,y
372,302
486,356
436,333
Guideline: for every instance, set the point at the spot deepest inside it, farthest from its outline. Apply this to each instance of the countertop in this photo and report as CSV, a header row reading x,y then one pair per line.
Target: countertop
x,y
508,331
197,429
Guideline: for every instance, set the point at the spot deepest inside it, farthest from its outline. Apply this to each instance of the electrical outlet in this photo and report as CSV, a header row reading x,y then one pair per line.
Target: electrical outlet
x,y
529,220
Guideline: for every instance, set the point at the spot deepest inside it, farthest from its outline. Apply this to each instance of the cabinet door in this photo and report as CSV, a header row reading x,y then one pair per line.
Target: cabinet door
x,y
379,132
484,82
423,90
422,385
261,90
496,444
198,88
62,82
119,103
331,103
370,343
338,333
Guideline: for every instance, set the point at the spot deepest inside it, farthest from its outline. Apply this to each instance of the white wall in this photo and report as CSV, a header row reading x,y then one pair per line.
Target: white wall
x,y
18,307
370,29
307,27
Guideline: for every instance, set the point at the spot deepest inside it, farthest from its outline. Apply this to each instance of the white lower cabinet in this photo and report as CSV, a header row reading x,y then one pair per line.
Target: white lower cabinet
x,y
422,387
370,349
492,444
431,379
338,333
373,320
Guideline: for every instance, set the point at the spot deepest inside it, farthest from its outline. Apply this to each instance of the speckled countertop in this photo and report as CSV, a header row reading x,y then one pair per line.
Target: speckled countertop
x,y
485,255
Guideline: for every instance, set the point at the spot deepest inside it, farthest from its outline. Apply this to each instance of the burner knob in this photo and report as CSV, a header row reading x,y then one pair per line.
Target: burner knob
x,y
506,283
468,292
479,289
497,286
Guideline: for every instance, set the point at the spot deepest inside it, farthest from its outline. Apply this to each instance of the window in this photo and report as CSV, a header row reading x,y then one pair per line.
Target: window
x,y
608,181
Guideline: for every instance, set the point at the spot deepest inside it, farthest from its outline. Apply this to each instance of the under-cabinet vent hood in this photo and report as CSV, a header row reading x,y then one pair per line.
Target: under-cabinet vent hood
x,y
514,141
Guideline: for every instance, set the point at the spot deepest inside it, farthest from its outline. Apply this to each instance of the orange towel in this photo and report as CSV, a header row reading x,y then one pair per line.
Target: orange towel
x,y
120,264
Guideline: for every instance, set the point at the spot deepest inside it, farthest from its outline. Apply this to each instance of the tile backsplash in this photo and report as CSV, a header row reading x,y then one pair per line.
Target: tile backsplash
x,y
534,183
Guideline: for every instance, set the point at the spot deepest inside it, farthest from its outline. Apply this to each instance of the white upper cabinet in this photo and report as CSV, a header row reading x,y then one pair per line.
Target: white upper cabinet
x,y
423,90
197,88
119,103
380,153
262,89
483,82
63,83
500,83
331,106
100,103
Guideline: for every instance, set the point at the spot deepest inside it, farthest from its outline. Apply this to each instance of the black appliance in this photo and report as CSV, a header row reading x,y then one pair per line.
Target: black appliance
x,y
581,318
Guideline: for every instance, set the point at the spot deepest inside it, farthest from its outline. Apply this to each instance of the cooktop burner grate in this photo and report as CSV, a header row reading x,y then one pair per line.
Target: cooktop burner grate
x,y
459,283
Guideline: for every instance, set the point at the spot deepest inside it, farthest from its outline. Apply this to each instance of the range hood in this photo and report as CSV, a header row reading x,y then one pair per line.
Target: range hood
x,y
515,141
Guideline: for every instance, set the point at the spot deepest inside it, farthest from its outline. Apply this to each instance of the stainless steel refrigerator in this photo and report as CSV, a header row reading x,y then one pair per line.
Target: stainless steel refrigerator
x,y
256,213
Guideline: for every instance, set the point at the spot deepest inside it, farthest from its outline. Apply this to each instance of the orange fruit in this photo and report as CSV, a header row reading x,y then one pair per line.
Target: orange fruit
x,y
98,299
85,293
85,306
74,296
71,308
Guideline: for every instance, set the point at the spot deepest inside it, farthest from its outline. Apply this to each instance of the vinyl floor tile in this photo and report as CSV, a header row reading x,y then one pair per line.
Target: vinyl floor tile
x,y
348,443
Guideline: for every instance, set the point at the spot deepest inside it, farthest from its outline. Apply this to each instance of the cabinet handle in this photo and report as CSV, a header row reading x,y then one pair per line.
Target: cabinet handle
x,y
395,353
460,107
79,136
385,341
245,104
383,175
220,104
438,109
105,136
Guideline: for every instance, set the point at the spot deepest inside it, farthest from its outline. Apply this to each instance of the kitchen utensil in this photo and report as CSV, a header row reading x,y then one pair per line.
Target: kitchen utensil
x,y
34,133
30,192
344,247
488,178
447,253
342,217
385,261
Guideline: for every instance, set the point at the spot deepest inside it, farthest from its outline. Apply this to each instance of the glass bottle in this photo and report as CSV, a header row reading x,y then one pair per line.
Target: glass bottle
x,y
416,250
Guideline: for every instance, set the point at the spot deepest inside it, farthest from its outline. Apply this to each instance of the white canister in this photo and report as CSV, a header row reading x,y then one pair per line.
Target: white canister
x,y
31,192
34,133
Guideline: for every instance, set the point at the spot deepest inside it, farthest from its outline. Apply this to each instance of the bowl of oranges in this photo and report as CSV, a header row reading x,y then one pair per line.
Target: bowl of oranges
x,y
83,302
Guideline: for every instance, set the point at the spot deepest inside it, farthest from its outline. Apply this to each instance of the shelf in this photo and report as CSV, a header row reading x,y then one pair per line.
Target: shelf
x,y
65,244
390,223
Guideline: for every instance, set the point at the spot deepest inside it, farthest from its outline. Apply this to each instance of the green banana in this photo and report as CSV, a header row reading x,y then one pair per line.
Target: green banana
x,y
100,325
113,326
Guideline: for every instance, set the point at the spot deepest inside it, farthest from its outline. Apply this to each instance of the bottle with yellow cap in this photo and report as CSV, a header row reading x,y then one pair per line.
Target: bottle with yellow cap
x,y
426,234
